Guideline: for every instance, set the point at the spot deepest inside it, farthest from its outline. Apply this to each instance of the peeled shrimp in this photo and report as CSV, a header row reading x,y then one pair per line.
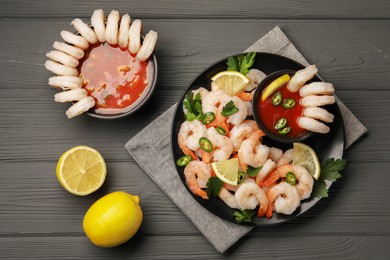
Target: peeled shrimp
x,y
317,101
148,46
202,91
63,58
97,21
222,146
285,196
241,132
268,167
249,108
249,195
66,82
252,152
74,39
197,174
305,182
60,69
69,49
189,134
313,125
318,113
226,196
111,33
135,36
84,30
300,78
238,117
286,158
275,154
255,76
316,88
80,107
123,39
70,95
212,101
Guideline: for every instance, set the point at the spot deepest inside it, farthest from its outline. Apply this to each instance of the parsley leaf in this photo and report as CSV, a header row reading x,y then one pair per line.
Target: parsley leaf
x,y
229,109
193,105
213,186
244,215
241,63
252,172
330,170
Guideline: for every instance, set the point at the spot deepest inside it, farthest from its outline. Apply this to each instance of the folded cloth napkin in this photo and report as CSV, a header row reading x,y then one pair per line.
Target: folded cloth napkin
x,y
154,142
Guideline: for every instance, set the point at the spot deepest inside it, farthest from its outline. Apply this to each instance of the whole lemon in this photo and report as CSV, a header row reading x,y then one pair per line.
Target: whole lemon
x,y
113,219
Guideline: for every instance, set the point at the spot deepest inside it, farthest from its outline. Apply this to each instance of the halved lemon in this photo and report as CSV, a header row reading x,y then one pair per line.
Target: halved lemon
x,y
81,170
274,86
231,82
305,155
227,170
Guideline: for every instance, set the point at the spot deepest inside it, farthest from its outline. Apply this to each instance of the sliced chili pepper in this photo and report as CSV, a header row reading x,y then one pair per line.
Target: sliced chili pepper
x,y
205,144
291,178
280,123
184,160
285,130
277,98
208,118
220,130
241,177
289,103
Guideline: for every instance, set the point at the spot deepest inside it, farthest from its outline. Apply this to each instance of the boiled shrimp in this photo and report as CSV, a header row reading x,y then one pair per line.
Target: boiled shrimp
x,y
74,39
313,125
241,132
60,69
249,195
111,33
275,154
148,46
73,51
65,82
317,101
97,22
70,95
316,88
213,100
85,30
123,39
301,77
63,58
226,196
80,107
197,174
135,36
222,147
189,134
255,76
268,167
252,152
286,158
318,113
285,197
238,117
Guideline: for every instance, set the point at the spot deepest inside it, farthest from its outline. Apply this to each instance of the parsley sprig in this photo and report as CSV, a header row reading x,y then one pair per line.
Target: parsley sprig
x,y
229,109
330,170
241,63
213,187
193,105
244,215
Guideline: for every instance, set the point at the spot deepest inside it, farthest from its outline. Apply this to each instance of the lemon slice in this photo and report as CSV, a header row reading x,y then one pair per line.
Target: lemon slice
x,y
226,171
231,82
81,170
305,155
275,85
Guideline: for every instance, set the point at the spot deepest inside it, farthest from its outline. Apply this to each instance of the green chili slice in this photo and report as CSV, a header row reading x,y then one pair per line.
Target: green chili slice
x,y
289,103
280,123
276,98
285,130
291,179
220,130
184,160
205,144
241,177
208,118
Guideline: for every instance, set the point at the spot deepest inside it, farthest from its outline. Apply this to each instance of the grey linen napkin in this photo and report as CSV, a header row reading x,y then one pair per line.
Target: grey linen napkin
x,y
154,142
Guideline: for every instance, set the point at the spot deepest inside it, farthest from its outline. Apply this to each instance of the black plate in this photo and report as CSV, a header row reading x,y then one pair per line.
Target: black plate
x,y
326,146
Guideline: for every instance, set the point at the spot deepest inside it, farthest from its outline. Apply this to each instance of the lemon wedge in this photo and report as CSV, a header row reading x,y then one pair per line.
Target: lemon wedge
x,y
274,86
231,82
227,170
81,170
305,156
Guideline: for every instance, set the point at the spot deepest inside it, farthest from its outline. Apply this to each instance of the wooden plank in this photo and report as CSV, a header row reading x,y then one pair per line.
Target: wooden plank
x,y
288,246
35,203
269,9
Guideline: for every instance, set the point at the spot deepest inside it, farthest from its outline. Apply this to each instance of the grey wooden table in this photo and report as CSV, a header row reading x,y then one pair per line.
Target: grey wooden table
x,y
348,40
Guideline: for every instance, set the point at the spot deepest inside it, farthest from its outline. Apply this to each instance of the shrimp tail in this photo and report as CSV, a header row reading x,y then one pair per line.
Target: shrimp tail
x,y
241,161
245,96
268,213
271,178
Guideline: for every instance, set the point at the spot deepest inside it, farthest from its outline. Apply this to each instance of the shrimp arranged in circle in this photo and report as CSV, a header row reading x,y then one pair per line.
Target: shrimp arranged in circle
x,y
241,132
196,174
301,77
222,146
249,196
189,134
252,152
285,198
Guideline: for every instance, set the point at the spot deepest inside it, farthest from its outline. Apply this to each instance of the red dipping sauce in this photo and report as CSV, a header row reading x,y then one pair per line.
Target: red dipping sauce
x,y
270,113
113,77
